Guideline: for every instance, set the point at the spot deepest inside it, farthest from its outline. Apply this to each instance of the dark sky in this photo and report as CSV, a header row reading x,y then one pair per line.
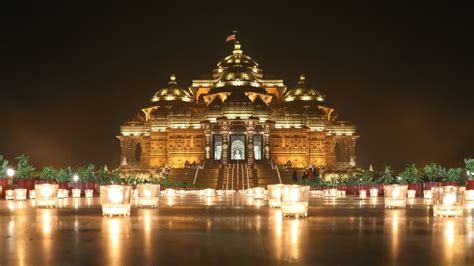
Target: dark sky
x,y
70,74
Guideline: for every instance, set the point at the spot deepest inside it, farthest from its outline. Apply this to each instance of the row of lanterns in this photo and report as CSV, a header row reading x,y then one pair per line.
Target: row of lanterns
x,y
446,200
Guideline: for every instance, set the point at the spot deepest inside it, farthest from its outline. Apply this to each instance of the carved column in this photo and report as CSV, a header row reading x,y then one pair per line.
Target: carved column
x,y
225,140
206,126
266,140
250,124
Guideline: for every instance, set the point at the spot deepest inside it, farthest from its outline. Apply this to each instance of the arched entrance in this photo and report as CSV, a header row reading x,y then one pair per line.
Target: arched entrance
x,y
138,152
237,147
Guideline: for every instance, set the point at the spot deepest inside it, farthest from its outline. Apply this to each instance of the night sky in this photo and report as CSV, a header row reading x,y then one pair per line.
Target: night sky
x,y
71,74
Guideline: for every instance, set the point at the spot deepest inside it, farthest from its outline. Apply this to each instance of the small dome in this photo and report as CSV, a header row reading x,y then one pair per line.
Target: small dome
x,y
302,92
173,92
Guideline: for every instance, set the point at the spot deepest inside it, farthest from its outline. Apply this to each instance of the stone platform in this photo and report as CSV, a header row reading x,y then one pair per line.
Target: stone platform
x,y
234,230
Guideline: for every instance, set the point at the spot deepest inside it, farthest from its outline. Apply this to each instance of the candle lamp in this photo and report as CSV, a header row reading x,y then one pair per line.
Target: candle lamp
x,y
374,192
448,201
9,194
274,195
116,200
469,195
63,193
258,192
411,193
32,193
220,192
295,201
46,195
89,193
395,196
20,194
148,195
326,193
333,192
134,194
76,192
249,192
427,194
210,192
170,192
362,193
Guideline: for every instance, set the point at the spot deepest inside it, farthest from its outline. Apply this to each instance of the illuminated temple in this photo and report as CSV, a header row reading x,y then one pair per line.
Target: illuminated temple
x,y
237,116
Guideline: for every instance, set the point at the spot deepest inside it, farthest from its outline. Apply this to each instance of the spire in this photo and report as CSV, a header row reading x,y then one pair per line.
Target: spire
x,y
302,78
173,79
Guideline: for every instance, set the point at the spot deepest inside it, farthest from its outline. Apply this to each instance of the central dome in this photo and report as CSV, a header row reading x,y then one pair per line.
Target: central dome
x,y
237,69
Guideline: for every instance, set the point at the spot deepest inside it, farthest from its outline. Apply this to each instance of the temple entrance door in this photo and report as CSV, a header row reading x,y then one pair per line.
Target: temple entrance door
x,y
217,151
237,148
257,147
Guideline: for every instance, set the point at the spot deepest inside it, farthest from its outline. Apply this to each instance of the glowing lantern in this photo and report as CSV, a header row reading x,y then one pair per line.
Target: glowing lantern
x,y
89,193
20,194
374,192
258,192
295,201
32,194
9,194
427,194
46,195
332,192
274,195
63,193
209,192
115,200
148,195
170,192
362,193
395,196
469,195
76,192
448,201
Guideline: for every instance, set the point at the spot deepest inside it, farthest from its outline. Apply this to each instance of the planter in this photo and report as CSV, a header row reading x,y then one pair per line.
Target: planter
x,y
395,196
470,185
5,183
448,201
63,185
454,184
418,187
429,185
46,195
148,195
295,201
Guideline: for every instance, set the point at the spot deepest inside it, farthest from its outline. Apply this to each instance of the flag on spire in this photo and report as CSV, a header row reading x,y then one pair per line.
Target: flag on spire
x,y
230,38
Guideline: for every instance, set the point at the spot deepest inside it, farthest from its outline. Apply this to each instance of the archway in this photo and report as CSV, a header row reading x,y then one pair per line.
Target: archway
x,y
138,152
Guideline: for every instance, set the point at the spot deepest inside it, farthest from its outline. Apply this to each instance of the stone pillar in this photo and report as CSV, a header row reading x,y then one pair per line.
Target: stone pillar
x,y
250,124
225,140
266,140
206,126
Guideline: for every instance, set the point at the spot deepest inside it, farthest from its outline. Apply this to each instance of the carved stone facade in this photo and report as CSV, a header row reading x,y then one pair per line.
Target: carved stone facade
x,y
238,116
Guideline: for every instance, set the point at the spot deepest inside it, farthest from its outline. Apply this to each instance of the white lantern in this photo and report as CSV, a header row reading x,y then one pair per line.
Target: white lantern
x,y
295,200
134,194
116,200
362,193
395,196
46,195
448,201
469,195
63,193
76,192
411,193
326,193
20,194
258,192
427,194
274,195
32,194
9,194
374,192
333,192
170,192
89,193
209,192
148,195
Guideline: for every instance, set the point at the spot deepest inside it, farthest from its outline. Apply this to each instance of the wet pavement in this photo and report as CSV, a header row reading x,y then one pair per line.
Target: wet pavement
x,y
234,230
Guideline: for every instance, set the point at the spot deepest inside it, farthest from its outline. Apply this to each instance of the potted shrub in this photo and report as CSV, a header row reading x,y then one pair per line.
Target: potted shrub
x,y
452,176
365,181
4,181
63,177
470,173
434,173
48,175
87,177
414,178
24,173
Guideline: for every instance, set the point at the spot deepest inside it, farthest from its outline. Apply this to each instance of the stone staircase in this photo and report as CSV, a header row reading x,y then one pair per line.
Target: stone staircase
x,y
210,176
265,175
179,175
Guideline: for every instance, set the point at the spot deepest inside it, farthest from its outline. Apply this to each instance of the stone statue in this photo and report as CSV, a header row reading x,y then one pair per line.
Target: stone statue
x,y
237,155
267,152
352,161
124,161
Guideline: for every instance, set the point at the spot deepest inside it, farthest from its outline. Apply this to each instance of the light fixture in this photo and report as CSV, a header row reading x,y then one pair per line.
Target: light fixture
x,y
148,195
10,172
9,194
20,194
411,193
448,201
374,192
258,192
395,196
89,193
76,192
362,193
427,193
75,178
115,200
274,195
32,194
46,195
295,201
